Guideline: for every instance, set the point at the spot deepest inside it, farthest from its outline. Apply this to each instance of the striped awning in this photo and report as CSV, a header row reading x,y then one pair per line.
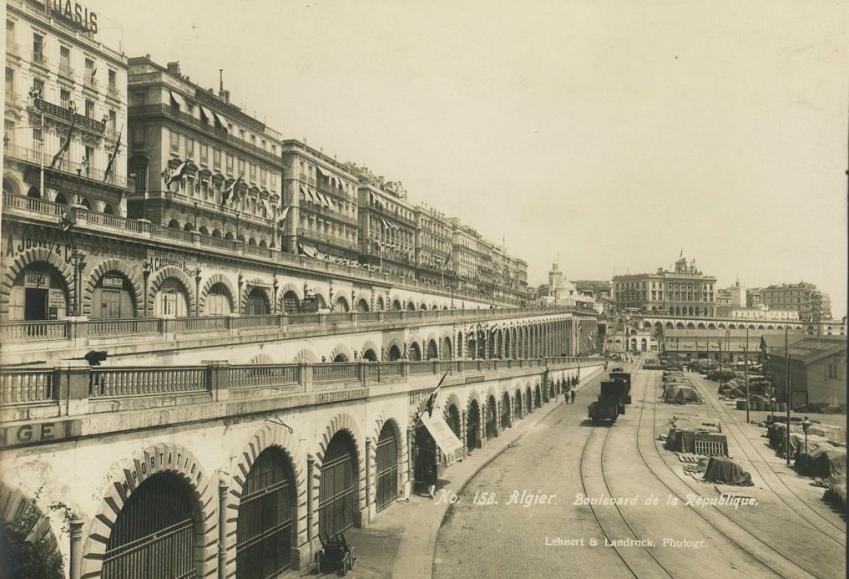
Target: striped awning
x,y
177,98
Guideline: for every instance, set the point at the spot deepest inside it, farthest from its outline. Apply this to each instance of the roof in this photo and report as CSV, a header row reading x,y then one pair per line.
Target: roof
x,y
772,342
811,348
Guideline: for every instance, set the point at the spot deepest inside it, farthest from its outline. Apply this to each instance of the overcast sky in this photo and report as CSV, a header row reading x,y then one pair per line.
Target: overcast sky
x,y
614,134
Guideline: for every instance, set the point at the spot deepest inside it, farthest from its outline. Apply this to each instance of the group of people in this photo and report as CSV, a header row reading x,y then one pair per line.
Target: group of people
x,y
569,394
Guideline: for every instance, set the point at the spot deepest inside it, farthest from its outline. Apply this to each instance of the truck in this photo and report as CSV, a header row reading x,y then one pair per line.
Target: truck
x,y
610,403
626,378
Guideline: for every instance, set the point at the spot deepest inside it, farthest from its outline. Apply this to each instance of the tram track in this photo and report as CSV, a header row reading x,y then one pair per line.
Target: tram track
x,y
749,543
742,441
640,562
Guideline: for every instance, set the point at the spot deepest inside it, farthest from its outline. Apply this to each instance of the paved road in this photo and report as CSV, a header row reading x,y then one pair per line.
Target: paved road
x,y
504,539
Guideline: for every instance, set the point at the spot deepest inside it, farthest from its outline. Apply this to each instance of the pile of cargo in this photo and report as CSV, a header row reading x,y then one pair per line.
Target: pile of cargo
x,y
696,437
678,389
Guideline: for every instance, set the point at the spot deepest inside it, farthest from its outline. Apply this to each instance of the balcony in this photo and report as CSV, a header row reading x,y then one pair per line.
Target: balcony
x,y
65,114
213,131
65,167
118,226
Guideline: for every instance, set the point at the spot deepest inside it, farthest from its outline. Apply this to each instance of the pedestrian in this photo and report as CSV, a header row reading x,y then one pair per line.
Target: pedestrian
x,y
430,477
566,396
573,396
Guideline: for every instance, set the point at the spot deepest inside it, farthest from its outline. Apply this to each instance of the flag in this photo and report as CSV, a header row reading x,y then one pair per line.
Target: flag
x,y
448,258
227,192
177,174
61,152
431,400
114,154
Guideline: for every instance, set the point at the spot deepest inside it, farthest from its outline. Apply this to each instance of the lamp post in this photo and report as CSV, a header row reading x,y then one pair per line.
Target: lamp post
x,y
197,290
146,274
806,424
79,264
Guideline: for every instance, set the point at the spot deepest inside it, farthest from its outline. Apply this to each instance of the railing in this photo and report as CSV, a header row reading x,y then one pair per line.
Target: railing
x,y
34,331
26,386
339,372
124,381
66,166
128,327
262,375
22,386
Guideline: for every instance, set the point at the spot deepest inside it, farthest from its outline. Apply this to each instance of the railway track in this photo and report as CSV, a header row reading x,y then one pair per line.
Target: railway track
x,y
747,541
771,479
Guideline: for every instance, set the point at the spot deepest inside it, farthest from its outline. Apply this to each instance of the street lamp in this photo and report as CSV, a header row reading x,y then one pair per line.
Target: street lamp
x,y
806,424
146,273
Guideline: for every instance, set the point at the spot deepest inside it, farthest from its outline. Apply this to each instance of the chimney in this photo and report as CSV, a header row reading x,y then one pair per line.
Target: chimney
x,y
174,68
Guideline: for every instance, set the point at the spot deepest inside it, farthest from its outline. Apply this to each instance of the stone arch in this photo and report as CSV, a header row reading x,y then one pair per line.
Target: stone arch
x,y
431,350
246,292
700,326
289,287
340,350
102,269
126,477
411,306
445,350
370,345
415,352
396,305
341,305
211,281
711,326
27,258
269,436
12,185
362,305
261,359
730,326
341,422
22,515
669,325
306,356
378,304
178,274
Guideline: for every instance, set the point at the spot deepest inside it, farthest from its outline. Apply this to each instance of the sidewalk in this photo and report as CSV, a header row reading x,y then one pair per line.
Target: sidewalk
x,y
401,541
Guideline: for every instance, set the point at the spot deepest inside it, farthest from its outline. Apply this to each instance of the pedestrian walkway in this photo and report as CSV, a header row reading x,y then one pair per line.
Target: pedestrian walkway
x,y
401,541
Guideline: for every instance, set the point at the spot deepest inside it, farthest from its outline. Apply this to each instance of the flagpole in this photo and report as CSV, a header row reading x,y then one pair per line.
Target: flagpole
x,y
41,162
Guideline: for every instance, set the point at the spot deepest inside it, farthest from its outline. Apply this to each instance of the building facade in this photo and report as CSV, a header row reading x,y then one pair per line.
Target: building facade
x,y
64,144
817,372
684,291
434,245
812,304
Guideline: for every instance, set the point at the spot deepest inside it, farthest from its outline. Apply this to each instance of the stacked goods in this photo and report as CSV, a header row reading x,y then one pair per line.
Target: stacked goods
x,y
825,463
836,492
723,470
683,434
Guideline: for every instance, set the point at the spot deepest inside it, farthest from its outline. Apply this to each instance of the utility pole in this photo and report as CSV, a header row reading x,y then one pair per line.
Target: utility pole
x,y
787,395
719,351
746,370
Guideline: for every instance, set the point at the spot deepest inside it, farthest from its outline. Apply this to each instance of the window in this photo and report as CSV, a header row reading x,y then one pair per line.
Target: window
x,y
175,141
138,136
113,120
9,132
38,86
113,83
89,71
89,155
190,148
37,139
64,58
65,98
37,48
89,109
216,157
204,153
229,163
10,84
10,33
832,369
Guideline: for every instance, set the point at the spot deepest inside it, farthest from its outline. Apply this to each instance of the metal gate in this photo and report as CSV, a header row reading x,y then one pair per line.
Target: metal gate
x,y
491,418
387,468
424,456
338,490
264,528
153,537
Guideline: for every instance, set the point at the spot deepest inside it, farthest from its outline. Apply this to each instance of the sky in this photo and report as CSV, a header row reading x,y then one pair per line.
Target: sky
x,y
609,135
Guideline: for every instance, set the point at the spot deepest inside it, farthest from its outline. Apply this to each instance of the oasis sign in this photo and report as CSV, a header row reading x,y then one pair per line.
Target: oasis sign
x,y
74,13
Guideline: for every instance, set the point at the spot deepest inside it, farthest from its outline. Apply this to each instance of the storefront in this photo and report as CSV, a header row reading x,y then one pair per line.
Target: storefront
x,y
39,293
113,298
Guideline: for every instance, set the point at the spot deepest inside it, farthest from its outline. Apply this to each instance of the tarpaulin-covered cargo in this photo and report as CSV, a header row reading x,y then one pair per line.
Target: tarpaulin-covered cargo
x,y
835,434
681,394
822,463
836,492
683,435
723,470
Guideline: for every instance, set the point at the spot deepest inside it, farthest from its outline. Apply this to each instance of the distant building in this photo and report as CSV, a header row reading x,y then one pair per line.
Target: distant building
x,y
560,292
685,291
753,297
812,304
817,372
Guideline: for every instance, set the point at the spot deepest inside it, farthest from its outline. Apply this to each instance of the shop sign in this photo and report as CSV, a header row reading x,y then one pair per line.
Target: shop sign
x,y
74,14
20,240
57,297
160,260
111,281
39,432
36,279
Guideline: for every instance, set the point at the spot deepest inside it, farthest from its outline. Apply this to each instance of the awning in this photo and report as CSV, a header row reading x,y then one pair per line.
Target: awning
x,y
442,434
323,171
325,200
268,213
208,114
220,119
307,250
178,100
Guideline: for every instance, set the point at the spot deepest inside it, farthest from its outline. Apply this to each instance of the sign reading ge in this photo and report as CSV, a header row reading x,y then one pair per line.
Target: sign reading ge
x,y
39,432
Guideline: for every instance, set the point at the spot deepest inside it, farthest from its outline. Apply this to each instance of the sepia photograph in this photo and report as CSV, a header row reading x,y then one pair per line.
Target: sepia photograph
x,y
389,289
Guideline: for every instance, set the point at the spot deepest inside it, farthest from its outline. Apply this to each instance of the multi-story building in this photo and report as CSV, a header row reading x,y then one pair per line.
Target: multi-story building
x,y
812,304
321,194
433,245
387,225
472,259
753,297
64,143
684,291
202,166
